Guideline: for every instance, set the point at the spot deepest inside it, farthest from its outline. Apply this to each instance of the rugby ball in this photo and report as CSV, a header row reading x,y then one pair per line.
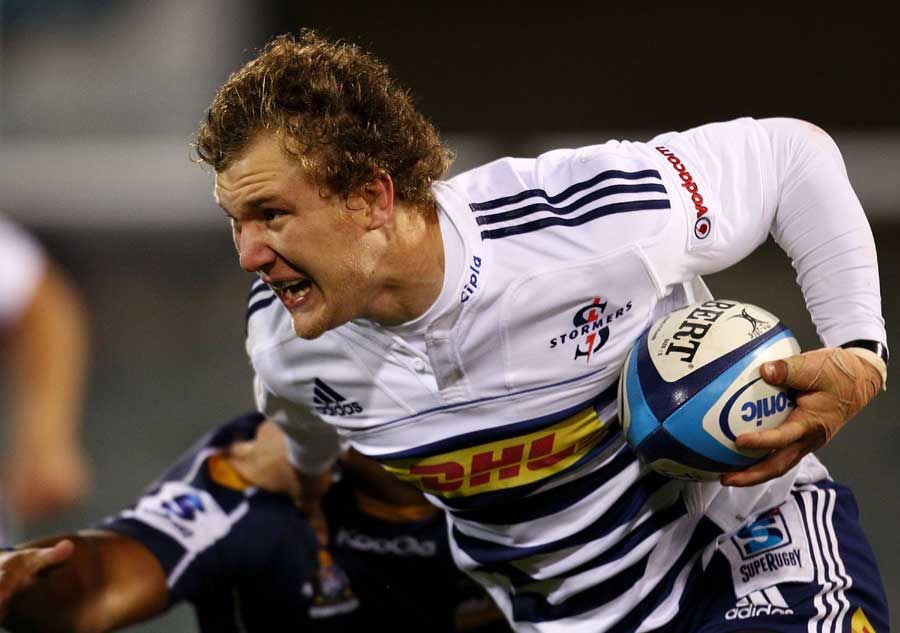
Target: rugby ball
x,y
691,384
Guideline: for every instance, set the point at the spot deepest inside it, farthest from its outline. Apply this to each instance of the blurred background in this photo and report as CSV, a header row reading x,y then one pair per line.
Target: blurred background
x,y
99,100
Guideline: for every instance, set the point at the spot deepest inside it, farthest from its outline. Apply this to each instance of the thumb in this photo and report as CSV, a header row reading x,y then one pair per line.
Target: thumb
x,y
775,372
51,556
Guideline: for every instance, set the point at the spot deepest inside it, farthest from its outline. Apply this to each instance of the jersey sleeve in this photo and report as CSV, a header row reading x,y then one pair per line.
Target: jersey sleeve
x,y
739,181
208,529
22,265
313,444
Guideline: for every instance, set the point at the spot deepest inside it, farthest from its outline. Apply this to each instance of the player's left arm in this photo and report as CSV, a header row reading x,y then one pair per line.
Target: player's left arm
x,y
820,223
785,177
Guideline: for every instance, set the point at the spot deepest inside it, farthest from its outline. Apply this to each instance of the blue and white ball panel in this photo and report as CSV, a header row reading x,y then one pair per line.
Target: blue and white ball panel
x,y
736,401
686,341
681,412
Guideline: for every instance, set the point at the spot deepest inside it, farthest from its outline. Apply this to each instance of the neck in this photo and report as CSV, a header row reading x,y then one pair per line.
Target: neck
x,y
412,268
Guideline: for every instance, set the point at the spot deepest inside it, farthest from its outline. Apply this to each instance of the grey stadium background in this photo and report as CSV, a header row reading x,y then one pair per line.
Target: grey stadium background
x,y
99,99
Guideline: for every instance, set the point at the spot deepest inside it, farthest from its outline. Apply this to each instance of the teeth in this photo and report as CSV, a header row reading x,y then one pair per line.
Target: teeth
x,y
284,285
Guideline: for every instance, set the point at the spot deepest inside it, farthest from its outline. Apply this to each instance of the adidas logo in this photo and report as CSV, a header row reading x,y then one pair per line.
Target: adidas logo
x,y
766,602
330,402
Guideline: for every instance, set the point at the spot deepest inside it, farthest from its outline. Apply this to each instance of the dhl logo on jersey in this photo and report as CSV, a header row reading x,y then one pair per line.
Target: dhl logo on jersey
x,y
504,464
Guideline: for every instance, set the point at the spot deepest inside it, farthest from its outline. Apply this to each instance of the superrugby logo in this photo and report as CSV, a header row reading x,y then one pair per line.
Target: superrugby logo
x,y
767,532
185,506
703,224
591,328
765,544
330,402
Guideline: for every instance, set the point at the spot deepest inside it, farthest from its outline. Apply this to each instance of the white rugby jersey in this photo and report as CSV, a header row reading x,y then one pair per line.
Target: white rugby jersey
x,y
21,268
507,418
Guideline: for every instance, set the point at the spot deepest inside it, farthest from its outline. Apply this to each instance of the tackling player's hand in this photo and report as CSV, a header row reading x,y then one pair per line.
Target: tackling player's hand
x,y
19,569
263,461
832,385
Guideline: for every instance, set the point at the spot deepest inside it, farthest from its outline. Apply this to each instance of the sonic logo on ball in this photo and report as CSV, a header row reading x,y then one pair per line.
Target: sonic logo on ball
x,y
763,408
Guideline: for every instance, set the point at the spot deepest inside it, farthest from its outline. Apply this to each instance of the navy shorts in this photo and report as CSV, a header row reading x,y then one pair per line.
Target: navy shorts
x,y
803,567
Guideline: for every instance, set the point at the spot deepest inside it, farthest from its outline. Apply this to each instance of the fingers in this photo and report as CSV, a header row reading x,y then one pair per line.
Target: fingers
x,y
51,556
775,465
19,569
790,431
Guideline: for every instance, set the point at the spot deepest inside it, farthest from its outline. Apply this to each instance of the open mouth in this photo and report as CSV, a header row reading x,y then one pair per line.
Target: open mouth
x,y
292,289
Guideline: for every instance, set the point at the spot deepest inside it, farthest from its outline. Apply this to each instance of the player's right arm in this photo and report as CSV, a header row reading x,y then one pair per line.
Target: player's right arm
x,y
89,582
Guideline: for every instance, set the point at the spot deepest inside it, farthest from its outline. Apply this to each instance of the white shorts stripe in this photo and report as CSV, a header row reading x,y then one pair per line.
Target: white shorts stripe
x,y
818,601
831,601
842,580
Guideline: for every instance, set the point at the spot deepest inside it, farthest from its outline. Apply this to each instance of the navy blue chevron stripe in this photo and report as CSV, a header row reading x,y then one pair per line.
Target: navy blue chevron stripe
x,y
623,510
573,206
551,501
580,186
534,607
259,305
257,287
593,214
645,530
494,434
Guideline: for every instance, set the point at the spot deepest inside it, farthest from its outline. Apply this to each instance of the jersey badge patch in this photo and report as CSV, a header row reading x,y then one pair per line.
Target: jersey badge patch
x,y
770,549
590,328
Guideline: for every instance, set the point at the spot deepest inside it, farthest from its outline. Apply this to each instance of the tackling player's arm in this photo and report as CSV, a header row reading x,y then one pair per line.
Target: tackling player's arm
x,y
88,582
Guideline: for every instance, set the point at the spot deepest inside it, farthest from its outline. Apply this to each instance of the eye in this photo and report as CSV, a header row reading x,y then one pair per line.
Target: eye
x,y
270,215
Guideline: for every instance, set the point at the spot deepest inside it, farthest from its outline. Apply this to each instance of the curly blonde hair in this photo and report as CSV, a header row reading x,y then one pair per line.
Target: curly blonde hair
x,y
339,112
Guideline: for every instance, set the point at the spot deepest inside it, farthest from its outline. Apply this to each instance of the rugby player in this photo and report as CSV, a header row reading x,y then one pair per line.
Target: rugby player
x,y
469,333
44,340
245,558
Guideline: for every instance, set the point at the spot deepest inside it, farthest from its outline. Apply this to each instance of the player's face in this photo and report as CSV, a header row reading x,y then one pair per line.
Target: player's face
x,y
310,248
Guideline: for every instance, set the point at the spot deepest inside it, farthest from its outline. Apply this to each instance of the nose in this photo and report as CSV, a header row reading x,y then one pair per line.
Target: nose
x,y
253,253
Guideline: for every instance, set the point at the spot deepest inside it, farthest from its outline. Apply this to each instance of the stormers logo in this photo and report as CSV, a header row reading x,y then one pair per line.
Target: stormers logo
x,y
591,328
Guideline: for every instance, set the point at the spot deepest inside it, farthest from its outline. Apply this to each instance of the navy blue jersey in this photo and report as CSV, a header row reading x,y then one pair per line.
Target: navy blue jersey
x,y
248,561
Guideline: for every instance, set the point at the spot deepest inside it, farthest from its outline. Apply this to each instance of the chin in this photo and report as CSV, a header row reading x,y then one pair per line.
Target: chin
x,y
309,333
307,330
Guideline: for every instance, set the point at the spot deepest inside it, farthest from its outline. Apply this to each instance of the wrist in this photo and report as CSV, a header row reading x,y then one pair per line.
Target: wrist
x,y
874,353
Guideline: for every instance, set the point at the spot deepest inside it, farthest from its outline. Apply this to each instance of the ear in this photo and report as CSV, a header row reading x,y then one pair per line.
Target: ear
x,y
376,199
